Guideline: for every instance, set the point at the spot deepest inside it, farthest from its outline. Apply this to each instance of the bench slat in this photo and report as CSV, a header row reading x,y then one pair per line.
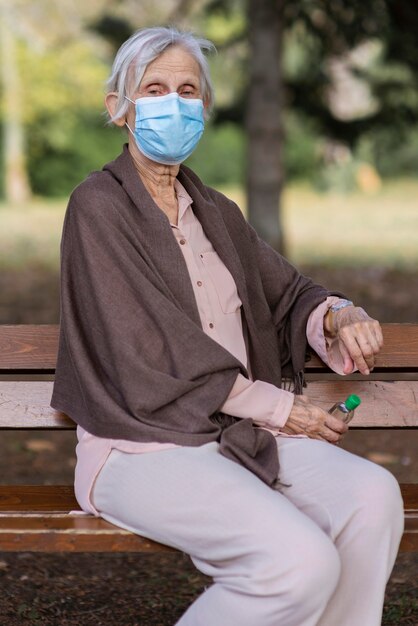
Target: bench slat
x,y
37,498
34,347
28,346
384,403
27,524
61,498
53,534
25,404
50,534
69,533
400,348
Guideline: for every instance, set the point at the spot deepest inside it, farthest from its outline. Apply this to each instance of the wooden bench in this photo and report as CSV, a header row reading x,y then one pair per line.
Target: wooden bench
x,y
37,518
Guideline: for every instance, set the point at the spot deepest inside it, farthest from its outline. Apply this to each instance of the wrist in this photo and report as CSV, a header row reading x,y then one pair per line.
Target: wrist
x,y
330,317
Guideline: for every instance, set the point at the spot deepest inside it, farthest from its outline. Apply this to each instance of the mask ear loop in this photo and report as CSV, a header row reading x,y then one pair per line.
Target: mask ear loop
x,y
126,123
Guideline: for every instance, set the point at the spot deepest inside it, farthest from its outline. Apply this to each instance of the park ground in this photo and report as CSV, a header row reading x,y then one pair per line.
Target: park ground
x,y
365,246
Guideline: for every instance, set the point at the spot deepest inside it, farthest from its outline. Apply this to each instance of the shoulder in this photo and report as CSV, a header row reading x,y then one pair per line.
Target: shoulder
x,y
98,188
97,199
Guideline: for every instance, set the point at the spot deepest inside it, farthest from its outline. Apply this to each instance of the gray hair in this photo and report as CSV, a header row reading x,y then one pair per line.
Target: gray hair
x,y
145,46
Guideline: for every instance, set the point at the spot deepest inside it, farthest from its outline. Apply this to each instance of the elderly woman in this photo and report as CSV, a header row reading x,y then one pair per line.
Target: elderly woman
x,y
182,348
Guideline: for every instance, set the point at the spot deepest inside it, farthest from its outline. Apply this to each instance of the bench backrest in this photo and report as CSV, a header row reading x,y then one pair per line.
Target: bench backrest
x,y
389,395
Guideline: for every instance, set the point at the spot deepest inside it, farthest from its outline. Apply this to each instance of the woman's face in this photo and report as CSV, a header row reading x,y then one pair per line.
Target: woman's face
x,y
174,70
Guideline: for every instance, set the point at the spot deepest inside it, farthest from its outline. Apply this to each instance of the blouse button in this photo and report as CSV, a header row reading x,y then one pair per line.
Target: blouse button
x,y
182,241
210,325
199,283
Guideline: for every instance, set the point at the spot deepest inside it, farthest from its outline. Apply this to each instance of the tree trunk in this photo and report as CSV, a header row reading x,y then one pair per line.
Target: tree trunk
x,y
264,120
16,183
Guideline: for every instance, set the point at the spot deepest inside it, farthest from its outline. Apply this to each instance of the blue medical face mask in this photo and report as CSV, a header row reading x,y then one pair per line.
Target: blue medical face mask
x,y
167,128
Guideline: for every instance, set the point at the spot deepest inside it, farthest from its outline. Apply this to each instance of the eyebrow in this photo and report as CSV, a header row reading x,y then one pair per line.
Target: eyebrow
x,y
158,80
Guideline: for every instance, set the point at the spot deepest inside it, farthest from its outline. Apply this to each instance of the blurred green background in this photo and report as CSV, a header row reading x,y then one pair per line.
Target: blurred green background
x,y
349,148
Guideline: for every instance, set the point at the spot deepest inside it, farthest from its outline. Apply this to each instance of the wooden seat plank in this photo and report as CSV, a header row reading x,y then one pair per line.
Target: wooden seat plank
x,y
66,533
37,498
27,523
25,404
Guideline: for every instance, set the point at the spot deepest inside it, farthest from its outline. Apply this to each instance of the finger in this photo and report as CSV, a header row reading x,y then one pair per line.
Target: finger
x,y
373,334
367,351
364,358
347,360
335,424
354,350
368,336
377,329
379,333
319,437
374,343
330,436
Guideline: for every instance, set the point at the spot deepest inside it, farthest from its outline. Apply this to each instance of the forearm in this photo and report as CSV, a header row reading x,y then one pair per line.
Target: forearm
x,y
263,402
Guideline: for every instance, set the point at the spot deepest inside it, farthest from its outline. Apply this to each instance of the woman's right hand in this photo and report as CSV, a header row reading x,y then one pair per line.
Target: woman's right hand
x,y
308,419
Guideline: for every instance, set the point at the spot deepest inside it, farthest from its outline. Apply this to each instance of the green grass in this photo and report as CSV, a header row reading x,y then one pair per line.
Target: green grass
x,y
352,229
402,610
358,229
31,233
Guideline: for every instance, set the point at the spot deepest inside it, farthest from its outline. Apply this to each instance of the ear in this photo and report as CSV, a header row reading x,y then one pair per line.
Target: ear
x,y
110,103
206,109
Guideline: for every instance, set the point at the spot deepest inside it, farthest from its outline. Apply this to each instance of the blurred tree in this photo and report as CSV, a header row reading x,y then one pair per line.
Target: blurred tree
x,y
16,181
263,119
291,56
39,85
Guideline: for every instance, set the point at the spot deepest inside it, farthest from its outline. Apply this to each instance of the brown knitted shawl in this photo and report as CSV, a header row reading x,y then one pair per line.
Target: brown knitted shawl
x,y
134,362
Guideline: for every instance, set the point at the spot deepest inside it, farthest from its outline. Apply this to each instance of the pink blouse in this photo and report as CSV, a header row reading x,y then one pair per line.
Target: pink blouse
x,y
220,312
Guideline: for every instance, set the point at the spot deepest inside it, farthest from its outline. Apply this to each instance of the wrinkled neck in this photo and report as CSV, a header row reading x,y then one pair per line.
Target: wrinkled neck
x,y
158,180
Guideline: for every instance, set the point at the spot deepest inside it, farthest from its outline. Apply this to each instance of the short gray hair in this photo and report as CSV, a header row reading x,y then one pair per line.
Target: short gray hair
x,y
145,46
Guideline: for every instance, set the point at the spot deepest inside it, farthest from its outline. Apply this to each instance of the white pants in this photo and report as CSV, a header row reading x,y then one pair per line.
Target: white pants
x,y
319,553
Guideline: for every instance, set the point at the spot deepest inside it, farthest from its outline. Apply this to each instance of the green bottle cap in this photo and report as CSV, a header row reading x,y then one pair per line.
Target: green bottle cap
x,y
352,402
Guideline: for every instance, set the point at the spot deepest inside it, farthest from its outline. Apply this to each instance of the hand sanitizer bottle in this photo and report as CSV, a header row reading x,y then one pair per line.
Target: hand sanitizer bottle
x,y
345,410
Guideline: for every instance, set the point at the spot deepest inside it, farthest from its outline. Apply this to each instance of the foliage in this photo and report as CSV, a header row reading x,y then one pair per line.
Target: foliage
x,y
65,54
63,81
59,161
302,156
220,156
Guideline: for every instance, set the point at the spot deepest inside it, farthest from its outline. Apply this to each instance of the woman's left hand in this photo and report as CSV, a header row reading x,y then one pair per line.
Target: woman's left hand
x,y
360,337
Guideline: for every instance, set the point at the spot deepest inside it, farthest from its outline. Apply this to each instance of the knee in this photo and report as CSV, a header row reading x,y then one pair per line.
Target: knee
x,y
315,572
306,575
381,499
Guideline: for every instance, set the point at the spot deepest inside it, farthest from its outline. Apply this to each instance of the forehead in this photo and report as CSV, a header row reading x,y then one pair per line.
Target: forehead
x,y
173,60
